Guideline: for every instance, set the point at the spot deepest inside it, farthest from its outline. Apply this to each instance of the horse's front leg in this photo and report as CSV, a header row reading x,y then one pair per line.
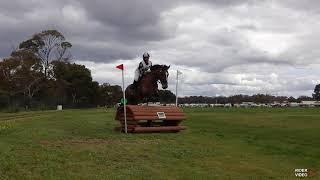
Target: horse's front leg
x,y
155,96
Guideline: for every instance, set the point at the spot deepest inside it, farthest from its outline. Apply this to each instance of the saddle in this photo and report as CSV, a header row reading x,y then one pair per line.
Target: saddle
x,y
136,83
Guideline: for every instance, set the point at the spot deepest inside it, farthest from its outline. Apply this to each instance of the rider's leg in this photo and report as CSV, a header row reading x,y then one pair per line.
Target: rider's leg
x,y
136,78
135,84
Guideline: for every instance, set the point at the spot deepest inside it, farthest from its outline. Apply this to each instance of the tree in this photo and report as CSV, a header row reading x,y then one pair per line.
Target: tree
x,y
292,99
261,98
48,46
166,96
109,95
74,80
316,94
11,78
304,98
93,93
30,72
21,73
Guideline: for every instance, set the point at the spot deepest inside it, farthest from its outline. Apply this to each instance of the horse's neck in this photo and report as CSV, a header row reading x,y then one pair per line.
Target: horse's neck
x,y
149,79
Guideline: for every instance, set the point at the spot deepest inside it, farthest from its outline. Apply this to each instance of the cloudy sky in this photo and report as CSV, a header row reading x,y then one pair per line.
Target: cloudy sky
x,y
222,47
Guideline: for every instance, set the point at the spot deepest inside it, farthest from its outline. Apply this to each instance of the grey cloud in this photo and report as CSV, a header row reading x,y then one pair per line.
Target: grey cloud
x,y
250,27
214,39
113,53
130,24
15,8
125,14
129,21
312,6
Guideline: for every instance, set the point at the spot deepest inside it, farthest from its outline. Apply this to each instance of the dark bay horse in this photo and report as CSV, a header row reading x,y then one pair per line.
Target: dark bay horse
x,y
147,89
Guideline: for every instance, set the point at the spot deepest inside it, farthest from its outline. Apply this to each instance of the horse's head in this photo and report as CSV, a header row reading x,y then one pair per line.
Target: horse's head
x,y
161,73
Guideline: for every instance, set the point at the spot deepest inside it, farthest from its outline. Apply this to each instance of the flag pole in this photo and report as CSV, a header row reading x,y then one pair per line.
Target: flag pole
x,y
177,88
124,104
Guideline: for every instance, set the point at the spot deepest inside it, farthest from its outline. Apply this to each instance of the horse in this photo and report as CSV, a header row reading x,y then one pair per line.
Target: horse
x,y
147,87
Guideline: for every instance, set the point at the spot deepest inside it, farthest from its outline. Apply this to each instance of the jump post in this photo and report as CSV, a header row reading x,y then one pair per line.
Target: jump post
x,y
149,119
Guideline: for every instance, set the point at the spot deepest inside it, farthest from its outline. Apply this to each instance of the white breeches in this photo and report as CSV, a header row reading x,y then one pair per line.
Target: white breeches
x,y
136,75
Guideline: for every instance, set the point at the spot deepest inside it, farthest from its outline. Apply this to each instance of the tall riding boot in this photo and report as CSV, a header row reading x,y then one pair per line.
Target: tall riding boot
x,y
135,84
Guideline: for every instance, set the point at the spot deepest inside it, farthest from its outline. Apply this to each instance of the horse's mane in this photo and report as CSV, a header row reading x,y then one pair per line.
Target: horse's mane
x,y
157,66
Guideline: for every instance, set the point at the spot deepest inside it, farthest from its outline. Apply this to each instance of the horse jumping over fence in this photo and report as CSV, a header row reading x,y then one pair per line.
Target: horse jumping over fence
x,y
147,89
148,119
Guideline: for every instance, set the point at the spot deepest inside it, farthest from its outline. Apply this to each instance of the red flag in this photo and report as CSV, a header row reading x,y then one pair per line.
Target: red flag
x,y
120,66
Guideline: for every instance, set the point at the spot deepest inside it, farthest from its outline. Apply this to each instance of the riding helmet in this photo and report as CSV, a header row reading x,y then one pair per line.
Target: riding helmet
x,y
146,55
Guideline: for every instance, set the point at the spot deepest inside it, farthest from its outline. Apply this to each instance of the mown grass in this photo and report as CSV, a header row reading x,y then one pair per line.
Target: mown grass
x,y
218,144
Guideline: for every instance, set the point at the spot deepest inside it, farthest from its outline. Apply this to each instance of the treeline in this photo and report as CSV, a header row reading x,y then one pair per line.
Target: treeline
x,y
39,74
257,98
237,99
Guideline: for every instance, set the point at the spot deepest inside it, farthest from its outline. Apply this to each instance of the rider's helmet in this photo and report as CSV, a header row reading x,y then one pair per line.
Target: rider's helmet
x,y
145,55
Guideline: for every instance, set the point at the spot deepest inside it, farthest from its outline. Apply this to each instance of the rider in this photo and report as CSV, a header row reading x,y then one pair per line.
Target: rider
x,y
144,67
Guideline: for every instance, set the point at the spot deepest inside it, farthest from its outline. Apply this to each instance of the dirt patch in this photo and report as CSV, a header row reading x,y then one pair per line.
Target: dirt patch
x,y
96,142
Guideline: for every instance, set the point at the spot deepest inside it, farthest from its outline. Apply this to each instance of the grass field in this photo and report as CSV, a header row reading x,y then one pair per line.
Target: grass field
x,y
218,144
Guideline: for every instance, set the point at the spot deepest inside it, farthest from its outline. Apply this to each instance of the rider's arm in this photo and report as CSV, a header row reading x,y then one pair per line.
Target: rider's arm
x,y
149,67
141,68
